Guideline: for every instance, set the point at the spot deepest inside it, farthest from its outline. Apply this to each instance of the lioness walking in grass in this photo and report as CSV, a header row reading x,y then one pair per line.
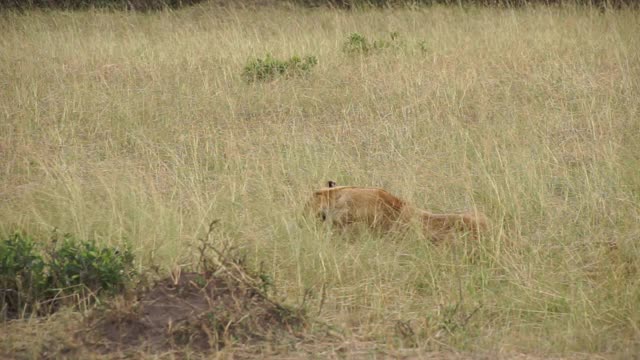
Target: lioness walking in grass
x,y
380,210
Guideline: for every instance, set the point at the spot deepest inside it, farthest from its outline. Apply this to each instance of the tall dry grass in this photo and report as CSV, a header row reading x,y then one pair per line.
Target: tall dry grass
x,y
139,127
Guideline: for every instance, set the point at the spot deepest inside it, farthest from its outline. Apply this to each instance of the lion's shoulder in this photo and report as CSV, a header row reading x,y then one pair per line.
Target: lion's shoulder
x,y
363,195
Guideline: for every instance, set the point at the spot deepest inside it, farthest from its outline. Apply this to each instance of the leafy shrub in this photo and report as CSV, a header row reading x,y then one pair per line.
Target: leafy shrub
x,y
302,66
33,283
82,263
23,280
258,69
423,46
358,44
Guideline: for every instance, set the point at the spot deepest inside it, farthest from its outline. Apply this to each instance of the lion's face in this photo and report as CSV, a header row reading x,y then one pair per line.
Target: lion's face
x,y
344,205
320,204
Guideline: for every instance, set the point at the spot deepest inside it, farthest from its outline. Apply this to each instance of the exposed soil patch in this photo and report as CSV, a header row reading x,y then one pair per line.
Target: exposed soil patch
x,y
198,312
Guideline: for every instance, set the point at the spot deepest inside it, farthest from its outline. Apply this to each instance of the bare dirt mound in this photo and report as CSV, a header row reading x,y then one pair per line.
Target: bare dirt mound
x,y
223,304
196,311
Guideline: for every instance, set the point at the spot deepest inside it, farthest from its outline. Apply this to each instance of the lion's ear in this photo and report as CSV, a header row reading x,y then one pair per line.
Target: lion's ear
x,y
331,183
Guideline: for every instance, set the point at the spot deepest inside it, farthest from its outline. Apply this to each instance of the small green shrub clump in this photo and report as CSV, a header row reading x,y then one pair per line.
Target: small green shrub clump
x,y
268,68
358,44
34,280
23,279
83,263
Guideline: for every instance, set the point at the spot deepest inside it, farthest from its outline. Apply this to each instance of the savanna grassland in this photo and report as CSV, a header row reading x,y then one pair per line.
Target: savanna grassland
x,y
139,128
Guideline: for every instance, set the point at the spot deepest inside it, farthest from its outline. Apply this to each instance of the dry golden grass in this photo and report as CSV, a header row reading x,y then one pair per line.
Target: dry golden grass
x,y
130,126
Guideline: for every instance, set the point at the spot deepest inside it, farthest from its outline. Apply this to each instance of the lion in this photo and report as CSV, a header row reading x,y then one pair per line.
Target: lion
x,y
378,209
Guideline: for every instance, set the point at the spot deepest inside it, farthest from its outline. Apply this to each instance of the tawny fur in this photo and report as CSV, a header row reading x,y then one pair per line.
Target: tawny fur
x,y
378,209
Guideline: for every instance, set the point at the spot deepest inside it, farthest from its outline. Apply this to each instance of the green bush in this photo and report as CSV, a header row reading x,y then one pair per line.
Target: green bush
x,y
23,280
83,263
258,69
33,283
358,44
